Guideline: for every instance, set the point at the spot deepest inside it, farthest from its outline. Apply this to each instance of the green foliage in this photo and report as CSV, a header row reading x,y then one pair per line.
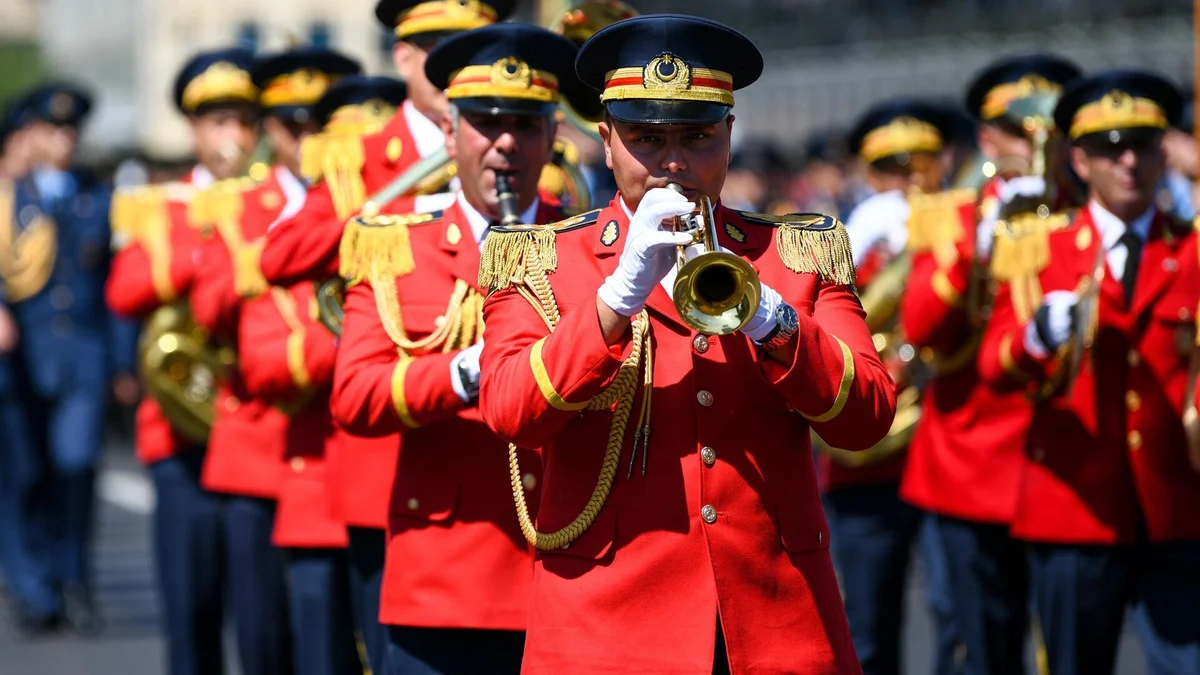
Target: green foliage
x,y
20,67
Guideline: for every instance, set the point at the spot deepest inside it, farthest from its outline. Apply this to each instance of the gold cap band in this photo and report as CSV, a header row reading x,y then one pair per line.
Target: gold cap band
x,y
668,78
301,87
444,15
1117,110
901,135
222,81
996,103
507,78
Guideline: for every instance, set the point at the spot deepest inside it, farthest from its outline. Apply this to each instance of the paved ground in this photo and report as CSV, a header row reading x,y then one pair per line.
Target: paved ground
x,y
131,645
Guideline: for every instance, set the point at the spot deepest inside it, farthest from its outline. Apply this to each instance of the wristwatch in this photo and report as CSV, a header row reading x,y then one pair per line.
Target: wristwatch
x,y
786,325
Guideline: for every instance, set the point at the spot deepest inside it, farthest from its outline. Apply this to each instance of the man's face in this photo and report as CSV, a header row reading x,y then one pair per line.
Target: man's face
x,y
223,138
409,57
484,145
53,145
646,156
1007,146
285,137
1122,176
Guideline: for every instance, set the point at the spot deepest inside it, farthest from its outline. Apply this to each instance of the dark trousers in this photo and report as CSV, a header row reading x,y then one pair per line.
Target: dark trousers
x,y
189,557
872,534
988,576
257,587
322,626
1167,615
51,448
367,548
453,651
939,597
1079,597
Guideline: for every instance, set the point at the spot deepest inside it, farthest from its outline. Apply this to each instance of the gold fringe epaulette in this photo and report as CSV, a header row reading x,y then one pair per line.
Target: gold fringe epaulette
x,y
810,243
379,245
934,224
1020,252
139,214
337,158
220,202
508,250
220,207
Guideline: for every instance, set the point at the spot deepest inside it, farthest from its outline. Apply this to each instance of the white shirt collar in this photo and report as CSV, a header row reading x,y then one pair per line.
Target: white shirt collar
x,y
294,192
202,177
427,135
1111,227
479,224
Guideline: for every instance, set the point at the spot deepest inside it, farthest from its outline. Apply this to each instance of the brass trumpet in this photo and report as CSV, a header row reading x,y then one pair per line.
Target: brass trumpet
x,y
715,291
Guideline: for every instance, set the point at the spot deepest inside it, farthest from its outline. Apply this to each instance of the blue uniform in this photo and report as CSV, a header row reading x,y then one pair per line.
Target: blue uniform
x,y
54,386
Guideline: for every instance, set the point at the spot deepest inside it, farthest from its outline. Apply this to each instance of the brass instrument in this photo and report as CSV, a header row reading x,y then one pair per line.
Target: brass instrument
x,y
180,367
1035,115
715,292
331,297
507,200
1083,334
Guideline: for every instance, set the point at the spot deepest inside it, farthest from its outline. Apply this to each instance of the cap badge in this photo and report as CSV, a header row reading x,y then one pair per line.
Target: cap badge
x,y
512,72
1035,84
62,105
667,71
1119,100
456,8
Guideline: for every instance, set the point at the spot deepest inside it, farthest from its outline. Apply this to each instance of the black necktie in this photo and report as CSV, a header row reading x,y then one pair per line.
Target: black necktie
x,y
1133,250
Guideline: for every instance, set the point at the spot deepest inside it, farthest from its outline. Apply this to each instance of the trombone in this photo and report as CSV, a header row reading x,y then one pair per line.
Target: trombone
x,y
715,291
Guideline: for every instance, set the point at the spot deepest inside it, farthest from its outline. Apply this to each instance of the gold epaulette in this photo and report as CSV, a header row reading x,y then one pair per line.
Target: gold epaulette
x,y
218,203
337,158
934,224
810,243
379,245
508,250
1022,246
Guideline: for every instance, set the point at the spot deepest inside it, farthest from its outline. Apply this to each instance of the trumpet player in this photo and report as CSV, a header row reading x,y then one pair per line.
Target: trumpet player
x,y
157,242
1097,324
964,462
679,527
457,571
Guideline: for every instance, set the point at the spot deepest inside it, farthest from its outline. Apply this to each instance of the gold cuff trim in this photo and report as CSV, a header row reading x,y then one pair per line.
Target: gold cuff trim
x,y
295,360
399,402
543,382
843,390
945,290
1009,363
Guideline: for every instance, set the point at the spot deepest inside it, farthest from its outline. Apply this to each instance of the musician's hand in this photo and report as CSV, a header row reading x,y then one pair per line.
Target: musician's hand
x,y
464,373
1022,186
1052,324
763,321
8,331
649,253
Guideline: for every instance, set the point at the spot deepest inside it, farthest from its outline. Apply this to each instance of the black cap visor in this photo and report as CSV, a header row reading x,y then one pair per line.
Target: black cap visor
x,y
1105,142
657,111
499,105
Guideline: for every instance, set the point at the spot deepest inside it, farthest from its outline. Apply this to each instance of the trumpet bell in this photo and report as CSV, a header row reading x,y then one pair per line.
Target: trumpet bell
x,y
716,293
331,297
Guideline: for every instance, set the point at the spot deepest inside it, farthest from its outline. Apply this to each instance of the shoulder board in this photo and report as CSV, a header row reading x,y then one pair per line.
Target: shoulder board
x,y
379,245
509,251
933,218
810,243
1022,244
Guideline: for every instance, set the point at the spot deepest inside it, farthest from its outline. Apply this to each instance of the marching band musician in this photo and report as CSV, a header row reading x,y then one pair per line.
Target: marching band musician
x,y
964,463
456,578
1096,323
711,540
286,358
57,364
900,141
249,440
157,243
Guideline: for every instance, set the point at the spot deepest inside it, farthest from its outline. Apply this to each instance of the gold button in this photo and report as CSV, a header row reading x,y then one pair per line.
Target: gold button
x,y
1135,440
232,404
708,455
528,481
1038,454
1133,401
413,504
704,397
700,342
297,464
1134,359
709,514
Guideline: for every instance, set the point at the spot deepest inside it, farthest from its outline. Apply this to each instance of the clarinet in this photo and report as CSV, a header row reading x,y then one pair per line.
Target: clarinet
x,y
508,201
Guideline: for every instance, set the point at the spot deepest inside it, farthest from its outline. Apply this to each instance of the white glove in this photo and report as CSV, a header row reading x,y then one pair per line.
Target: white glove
x,y
763,321
1022,186
649,253
464,373
1052,323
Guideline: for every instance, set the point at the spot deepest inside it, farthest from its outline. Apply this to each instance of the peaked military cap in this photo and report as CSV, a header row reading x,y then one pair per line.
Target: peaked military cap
x,y
1016,77
1116,102
668,68
292,82
898,128
382,95
58,103
506,68
438,17
216,77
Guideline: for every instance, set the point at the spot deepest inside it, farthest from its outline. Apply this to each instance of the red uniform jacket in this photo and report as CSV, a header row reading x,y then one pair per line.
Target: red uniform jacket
x,y
456,557
286,358
640,589
246,448
1113,449
154,267
305,248
966,458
